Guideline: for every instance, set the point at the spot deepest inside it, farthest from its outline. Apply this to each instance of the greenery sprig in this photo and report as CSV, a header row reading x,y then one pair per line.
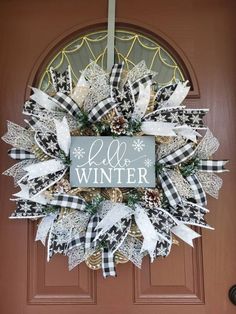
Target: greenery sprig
x,y
92,206
189,168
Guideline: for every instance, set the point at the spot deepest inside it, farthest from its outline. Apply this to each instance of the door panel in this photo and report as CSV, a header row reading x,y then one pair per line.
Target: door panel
x,y
192,281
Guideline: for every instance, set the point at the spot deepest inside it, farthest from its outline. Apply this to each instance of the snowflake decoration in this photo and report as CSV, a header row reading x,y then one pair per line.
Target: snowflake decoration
x,y
78,152
148,163
138,145
52,146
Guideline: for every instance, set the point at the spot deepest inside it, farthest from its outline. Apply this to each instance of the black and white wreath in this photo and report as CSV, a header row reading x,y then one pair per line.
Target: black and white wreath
x,y
106,226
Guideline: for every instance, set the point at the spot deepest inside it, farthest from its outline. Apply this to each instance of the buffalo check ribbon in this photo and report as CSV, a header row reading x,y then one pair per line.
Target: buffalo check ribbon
x,y
173,159
206,165
67,103
108,263
196,186
68,201
75,242
20,153
91,232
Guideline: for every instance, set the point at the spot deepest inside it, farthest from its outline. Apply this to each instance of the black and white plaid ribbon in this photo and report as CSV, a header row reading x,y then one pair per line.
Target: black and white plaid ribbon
x,y
169,189
117,98
32,122
115,75
180,155
19,153
196,186
75,242
68,201
102,108
212,165
173,159
67,103
108,263
91,232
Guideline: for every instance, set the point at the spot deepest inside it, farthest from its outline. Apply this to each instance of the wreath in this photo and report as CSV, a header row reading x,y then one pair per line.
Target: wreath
x,y
104,226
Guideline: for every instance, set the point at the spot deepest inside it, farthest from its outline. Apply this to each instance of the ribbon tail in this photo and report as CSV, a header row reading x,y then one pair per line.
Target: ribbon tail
x,y
206,165
108,263
44,227
185,233
91,234
24,194
188,132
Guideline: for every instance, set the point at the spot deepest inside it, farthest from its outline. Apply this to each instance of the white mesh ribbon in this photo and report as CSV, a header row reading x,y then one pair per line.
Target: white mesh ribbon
x,y
44,227
43,99
141,105
169,129
158,128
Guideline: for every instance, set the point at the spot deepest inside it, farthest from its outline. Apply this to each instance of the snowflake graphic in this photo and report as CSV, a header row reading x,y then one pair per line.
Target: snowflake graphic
x,y
148,163
111,237
24,207
61,79
138,145
52,146
167,92
78,152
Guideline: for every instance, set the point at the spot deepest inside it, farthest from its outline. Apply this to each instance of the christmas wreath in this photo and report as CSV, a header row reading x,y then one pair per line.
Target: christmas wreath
x,y
106,225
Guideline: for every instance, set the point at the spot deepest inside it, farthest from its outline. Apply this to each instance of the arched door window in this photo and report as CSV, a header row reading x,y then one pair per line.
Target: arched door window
x,y
130,47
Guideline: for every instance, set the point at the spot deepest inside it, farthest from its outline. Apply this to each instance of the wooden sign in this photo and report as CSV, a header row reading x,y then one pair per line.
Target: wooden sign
x,y
104,161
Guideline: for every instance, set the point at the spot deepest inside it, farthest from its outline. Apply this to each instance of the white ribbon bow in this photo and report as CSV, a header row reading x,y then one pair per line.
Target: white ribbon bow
x,y
53,165
149,233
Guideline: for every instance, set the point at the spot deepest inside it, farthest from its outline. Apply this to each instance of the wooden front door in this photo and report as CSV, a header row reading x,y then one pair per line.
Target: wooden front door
x,y
192,281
